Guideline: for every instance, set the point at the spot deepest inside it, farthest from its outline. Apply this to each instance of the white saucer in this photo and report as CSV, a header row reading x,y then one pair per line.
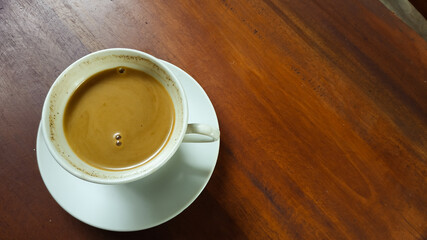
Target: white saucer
x,y
147,202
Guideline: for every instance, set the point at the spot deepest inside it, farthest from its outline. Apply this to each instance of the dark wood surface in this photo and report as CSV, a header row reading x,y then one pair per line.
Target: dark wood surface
x,y
322,107
421,6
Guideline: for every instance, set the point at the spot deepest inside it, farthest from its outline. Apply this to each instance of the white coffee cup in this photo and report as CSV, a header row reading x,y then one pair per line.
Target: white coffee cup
x,y
71,78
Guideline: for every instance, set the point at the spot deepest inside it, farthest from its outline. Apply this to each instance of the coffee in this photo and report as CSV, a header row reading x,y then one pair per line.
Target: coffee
x,y
118,119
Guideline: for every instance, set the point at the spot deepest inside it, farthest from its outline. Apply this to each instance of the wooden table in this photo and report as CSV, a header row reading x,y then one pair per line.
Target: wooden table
x,y
322,107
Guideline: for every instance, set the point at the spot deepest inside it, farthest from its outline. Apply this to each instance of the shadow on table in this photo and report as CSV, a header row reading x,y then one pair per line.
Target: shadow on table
x,y
205,218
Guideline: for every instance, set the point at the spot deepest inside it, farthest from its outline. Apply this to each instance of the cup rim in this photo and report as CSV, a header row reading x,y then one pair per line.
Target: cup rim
x,y
129,178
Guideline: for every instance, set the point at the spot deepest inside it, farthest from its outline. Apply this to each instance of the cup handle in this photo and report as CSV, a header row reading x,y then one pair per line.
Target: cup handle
x,y
194,130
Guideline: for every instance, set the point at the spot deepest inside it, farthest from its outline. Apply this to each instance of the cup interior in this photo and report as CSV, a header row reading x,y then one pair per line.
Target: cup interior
x,y
72,77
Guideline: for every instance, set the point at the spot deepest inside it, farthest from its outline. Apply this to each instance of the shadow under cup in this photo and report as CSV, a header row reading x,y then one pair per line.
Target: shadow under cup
x,y
72,77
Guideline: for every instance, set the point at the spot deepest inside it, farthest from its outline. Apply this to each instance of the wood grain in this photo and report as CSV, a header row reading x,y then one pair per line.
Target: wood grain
x,y
322,108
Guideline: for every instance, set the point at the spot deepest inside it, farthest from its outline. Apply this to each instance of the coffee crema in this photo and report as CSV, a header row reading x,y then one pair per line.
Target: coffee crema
x,y
118,119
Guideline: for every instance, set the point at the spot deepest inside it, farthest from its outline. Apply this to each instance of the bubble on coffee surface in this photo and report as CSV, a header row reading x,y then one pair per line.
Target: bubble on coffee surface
x,y
121,70
117,137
